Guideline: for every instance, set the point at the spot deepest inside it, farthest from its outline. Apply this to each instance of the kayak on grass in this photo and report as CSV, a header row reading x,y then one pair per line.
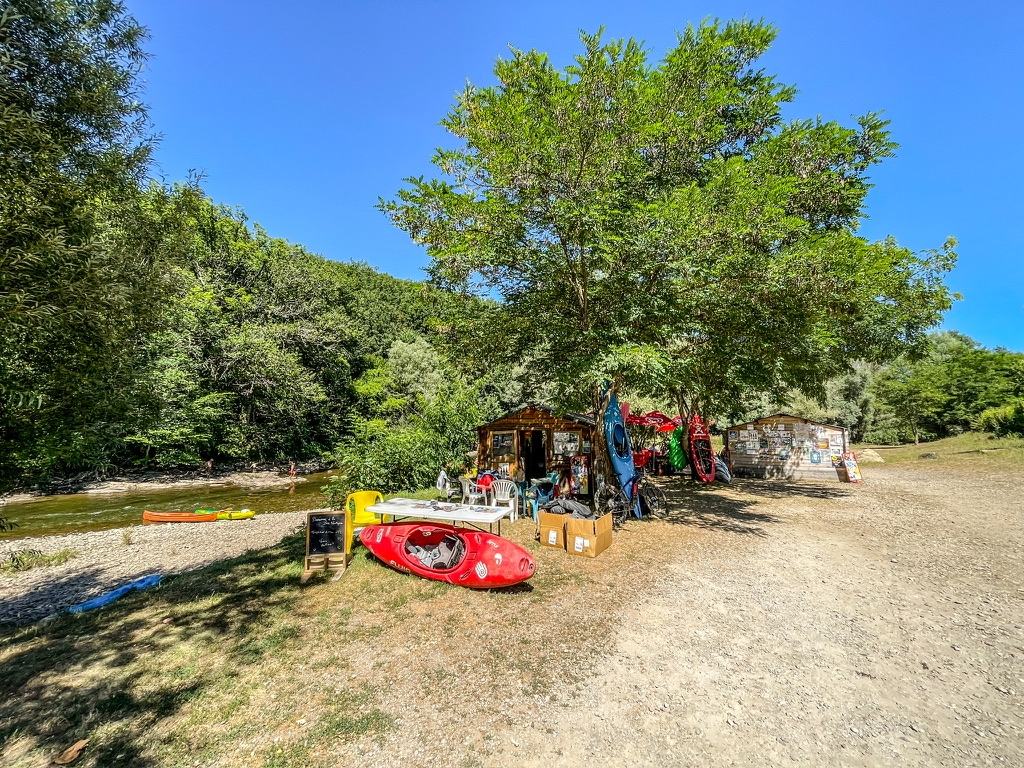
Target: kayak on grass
x,y
461,556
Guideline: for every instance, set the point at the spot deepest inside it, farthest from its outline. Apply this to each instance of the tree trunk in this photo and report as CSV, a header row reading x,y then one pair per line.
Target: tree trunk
x,y
686,411
601,397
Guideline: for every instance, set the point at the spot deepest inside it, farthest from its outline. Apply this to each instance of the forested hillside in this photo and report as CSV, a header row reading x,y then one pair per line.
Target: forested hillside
x,y
227,344
143,325
956,386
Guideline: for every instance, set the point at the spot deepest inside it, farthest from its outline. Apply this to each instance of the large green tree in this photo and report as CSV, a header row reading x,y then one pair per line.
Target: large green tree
x,y
72,145
661,226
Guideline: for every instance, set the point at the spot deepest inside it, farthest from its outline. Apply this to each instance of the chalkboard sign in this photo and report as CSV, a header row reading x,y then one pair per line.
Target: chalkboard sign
x,y
325,533
327,543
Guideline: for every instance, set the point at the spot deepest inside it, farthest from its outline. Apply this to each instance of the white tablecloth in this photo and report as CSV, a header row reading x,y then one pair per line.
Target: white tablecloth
x,y
461,513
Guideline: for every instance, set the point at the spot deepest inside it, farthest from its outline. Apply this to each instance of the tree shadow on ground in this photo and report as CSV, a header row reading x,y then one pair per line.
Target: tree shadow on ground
x,y
100,669
732,508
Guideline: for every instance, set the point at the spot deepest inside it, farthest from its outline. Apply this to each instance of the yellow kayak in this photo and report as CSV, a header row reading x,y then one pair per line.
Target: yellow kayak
x,y
229,514
235,514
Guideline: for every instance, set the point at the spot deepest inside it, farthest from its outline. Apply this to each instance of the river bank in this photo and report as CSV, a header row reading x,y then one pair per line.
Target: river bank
x,y
119,501
134,482
107,559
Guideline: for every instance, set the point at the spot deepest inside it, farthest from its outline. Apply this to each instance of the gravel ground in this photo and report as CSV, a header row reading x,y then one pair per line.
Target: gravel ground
x,y
882,627
771,624
106,559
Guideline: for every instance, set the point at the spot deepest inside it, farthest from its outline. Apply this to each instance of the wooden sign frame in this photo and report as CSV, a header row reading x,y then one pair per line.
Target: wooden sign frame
x,y
315,562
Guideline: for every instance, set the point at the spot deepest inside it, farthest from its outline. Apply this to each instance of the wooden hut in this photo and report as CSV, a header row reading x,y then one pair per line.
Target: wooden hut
x,y
533,442
788,447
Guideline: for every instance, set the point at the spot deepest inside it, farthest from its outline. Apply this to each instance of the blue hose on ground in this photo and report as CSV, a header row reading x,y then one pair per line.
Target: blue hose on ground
x,y
144,583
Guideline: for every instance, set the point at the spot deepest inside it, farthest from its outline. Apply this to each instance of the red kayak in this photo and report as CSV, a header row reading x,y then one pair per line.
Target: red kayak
x,y
700,449
461,556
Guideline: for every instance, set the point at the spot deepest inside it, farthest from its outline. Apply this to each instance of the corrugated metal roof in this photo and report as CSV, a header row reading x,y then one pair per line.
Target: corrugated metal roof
x,y
788,415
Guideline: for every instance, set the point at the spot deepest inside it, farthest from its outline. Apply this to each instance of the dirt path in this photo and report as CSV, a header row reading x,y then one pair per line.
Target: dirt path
x,y
856,626
763,624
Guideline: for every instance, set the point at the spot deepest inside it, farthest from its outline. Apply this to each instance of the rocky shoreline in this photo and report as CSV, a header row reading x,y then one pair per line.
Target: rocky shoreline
x,y
107,559
155,481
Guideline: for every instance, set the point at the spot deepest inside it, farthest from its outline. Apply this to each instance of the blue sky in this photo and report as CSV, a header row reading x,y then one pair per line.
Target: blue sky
x,y
303,113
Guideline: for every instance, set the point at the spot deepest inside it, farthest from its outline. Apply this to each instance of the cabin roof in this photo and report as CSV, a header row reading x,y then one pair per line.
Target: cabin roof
x,y
578,418
788,416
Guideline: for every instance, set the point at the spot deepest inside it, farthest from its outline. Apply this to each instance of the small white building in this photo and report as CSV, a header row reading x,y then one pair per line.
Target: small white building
x,y
788,447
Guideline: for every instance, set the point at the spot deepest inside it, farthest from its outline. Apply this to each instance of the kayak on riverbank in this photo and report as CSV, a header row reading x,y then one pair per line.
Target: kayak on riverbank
x,y
70,513
178,517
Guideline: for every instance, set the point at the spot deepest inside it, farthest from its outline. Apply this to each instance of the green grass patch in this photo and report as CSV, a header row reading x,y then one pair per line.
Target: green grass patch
x,y
27,559
969,447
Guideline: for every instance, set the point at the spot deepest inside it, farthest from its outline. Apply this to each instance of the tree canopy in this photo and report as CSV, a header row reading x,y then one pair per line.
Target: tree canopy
x,y
662,226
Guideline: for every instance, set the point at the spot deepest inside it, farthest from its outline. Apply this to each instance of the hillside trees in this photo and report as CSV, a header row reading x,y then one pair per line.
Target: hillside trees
x,y
264,343
72,140
948,390
661,227
253,350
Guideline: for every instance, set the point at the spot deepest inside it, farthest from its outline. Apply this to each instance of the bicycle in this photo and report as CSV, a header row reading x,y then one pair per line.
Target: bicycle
x,y
621,504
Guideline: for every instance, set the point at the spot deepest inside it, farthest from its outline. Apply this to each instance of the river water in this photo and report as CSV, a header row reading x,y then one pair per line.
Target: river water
x,y
77,512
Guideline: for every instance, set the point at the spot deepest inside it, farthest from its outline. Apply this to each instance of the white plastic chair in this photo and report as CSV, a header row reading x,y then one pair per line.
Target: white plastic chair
x,y
470,491
506,492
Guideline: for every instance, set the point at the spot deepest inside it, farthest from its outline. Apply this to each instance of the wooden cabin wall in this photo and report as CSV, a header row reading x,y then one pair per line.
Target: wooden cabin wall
x,y
788,447
527,420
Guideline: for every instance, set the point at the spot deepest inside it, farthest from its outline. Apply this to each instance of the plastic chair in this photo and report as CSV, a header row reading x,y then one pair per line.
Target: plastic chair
x,y
542,492
356,504
470,491
505,492
483,483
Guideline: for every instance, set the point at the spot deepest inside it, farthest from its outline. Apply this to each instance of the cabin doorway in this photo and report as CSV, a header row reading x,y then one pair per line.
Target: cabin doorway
x,y
533,453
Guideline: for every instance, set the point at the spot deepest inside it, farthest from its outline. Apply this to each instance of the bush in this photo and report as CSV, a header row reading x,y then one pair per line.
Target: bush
x,y
409,456
1004,421
27,559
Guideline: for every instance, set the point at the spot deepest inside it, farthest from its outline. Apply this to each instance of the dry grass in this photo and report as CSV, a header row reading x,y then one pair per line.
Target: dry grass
x,y
239,664
27,559
971,449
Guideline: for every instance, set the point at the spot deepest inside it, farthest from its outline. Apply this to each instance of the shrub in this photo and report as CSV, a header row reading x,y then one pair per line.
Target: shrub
x,y
1004,421
27,559
409,456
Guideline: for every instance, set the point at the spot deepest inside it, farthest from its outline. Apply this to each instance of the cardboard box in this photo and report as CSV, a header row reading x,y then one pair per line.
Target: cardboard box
x,y
552,529
588,538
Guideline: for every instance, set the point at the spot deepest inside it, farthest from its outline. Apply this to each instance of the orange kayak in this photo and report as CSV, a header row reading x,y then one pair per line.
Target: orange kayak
x,y
177,517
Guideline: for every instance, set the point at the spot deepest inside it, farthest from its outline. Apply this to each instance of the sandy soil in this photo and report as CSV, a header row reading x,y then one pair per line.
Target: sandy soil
x,y
109,559
765,623
853,625
801,624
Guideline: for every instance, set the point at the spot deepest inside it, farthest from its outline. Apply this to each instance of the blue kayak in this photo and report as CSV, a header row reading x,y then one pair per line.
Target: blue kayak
x,y
619,449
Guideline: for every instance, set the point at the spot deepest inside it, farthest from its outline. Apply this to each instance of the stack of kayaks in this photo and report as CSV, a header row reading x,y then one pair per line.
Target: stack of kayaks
x,y
199,516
